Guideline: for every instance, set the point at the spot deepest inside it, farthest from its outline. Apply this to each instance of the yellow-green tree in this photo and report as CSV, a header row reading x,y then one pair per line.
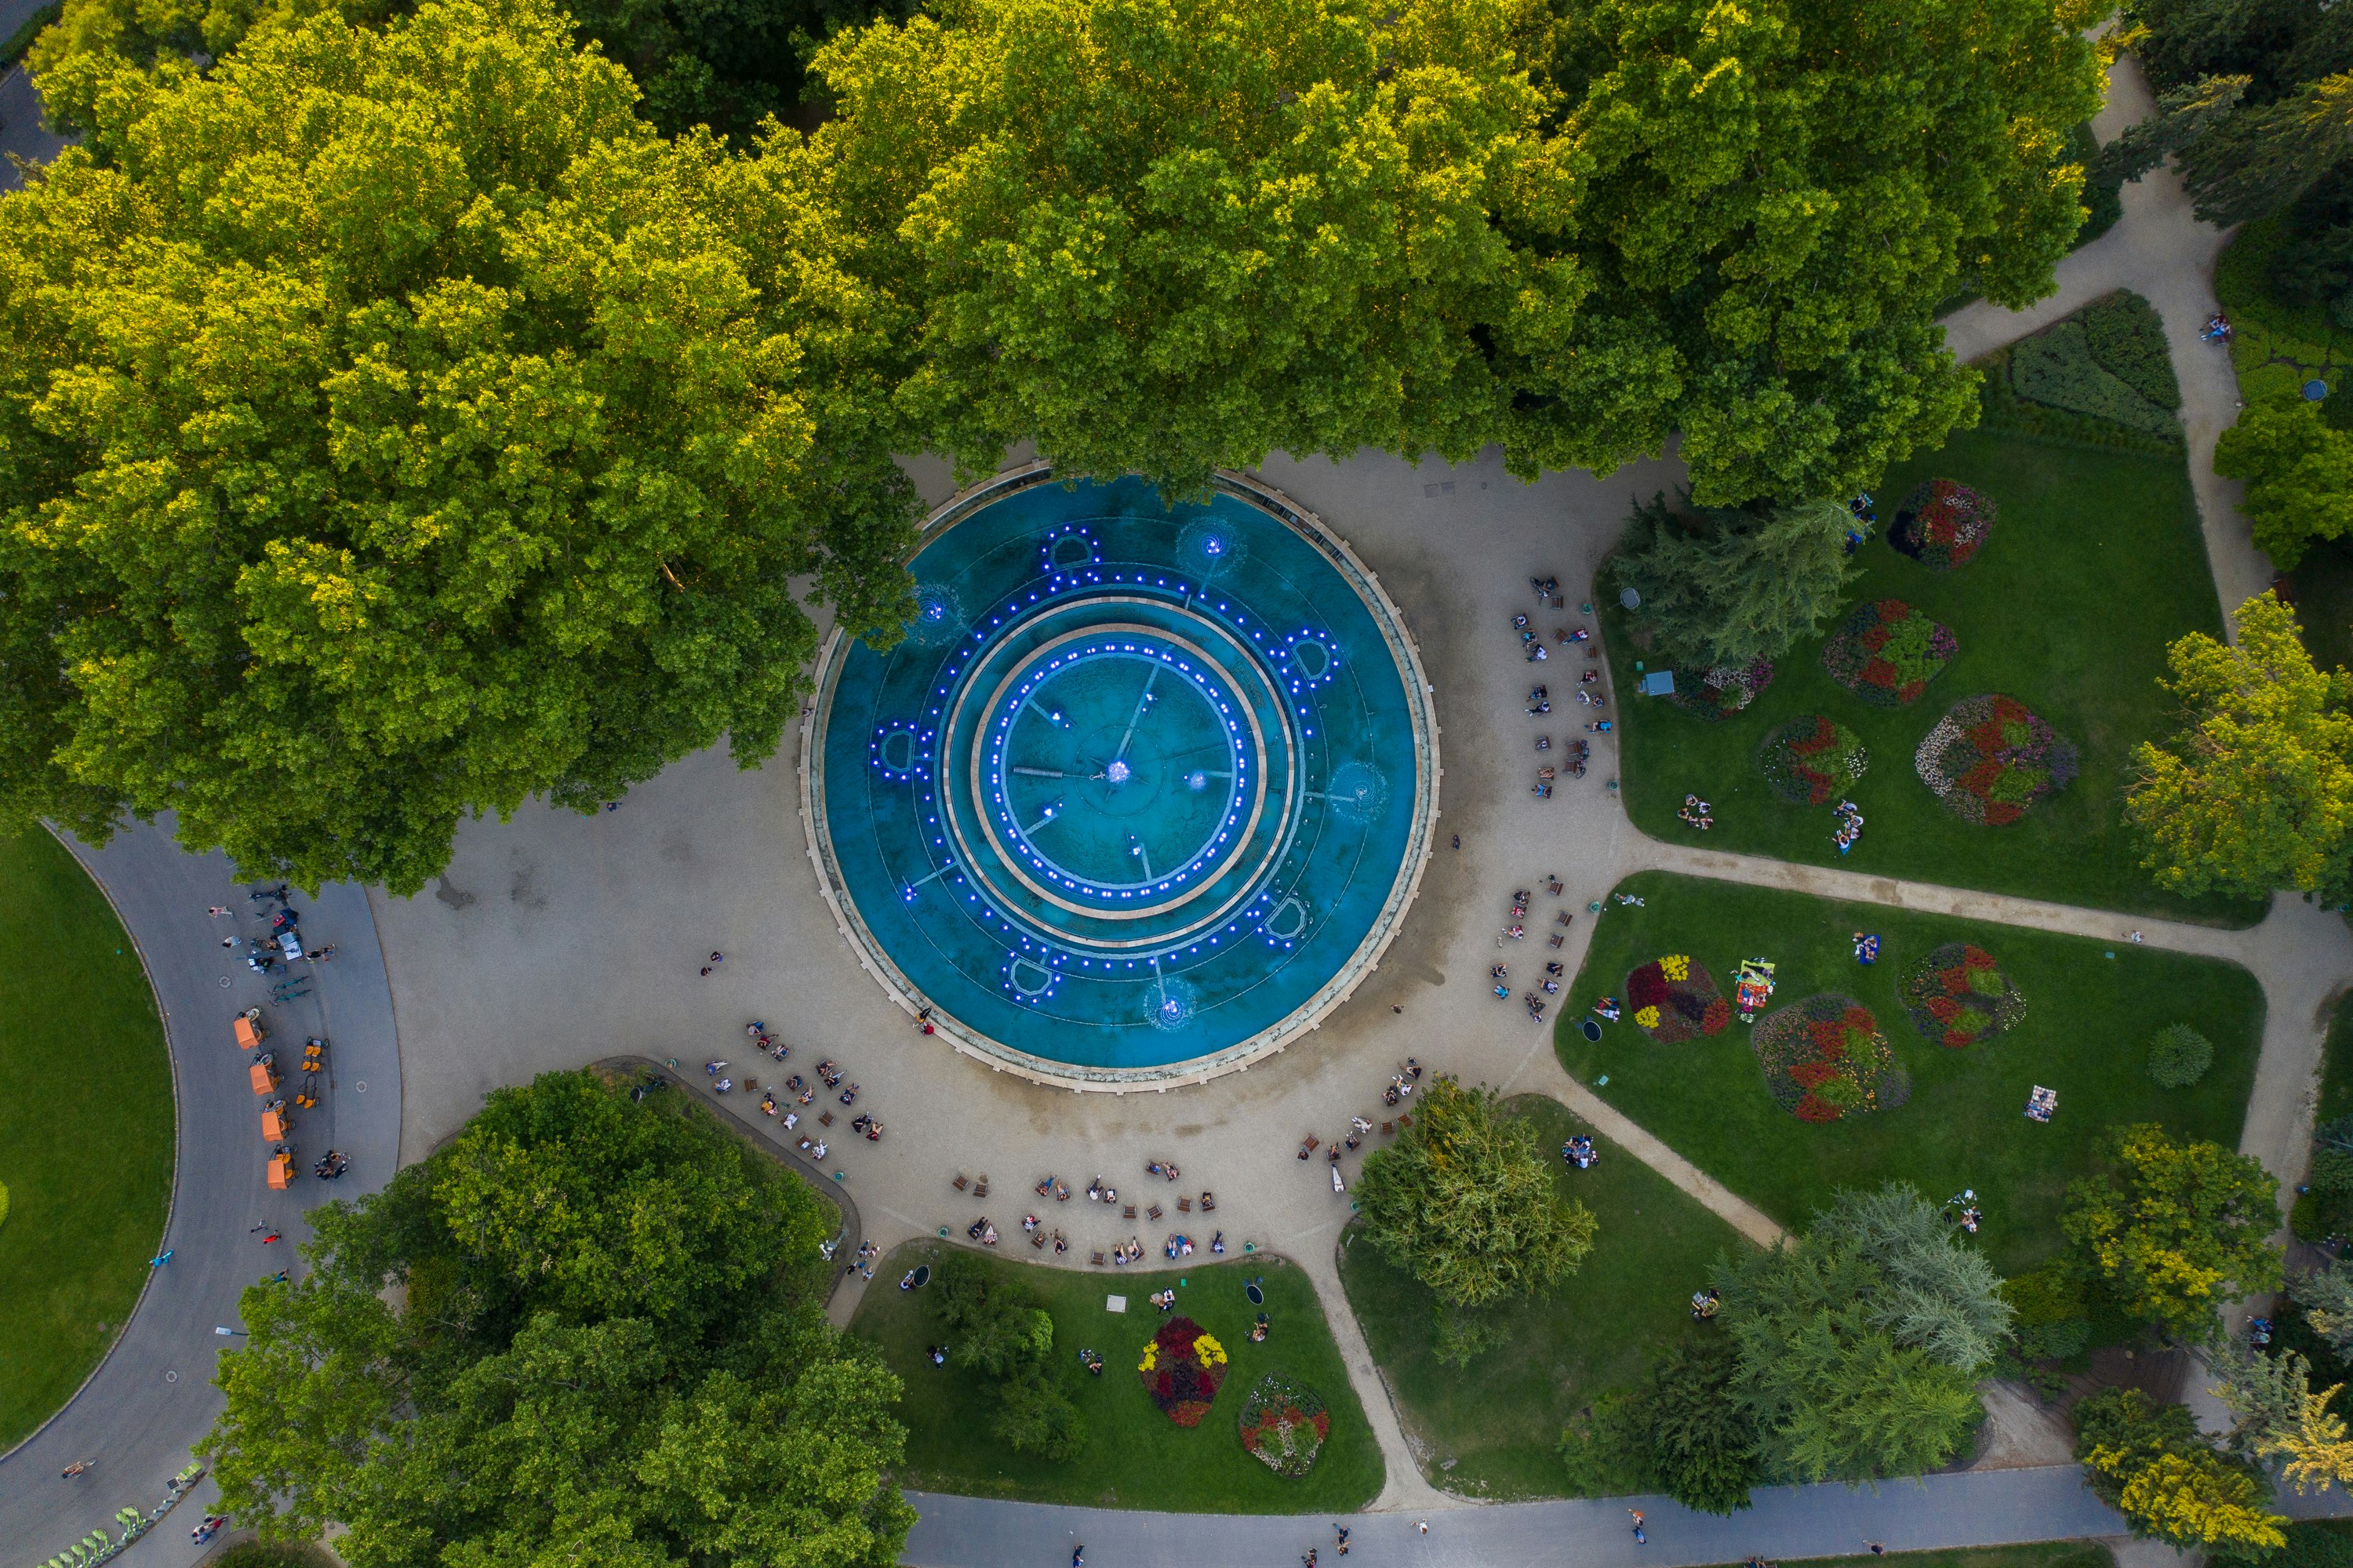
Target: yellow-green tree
x,y
2299,474
2176,1231
2149,1461
2257,792
395,427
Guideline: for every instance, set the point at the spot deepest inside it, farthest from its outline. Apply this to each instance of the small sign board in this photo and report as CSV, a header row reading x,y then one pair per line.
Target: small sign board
x,y
1114,1303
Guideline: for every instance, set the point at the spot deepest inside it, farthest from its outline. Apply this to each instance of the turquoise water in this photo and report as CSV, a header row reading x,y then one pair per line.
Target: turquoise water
x,y
1139,784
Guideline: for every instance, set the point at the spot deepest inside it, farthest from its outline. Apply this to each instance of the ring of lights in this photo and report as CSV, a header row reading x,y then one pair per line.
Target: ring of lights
x,y
1145,791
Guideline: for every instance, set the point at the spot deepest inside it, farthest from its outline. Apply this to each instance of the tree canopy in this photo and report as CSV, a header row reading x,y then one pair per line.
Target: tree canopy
x,y
2176,1231
587,1326
2256,792
2299,474
2149,1461
1728,587
397,427
1860,1343
1464,1201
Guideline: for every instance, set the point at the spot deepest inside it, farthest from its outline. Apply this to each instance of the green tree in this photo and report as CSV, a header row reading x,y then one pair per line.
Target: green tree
x,y
1860,1343
1771,201
2299,474
2259,160
1726,586
1035,1415
2149,1461
2327,1296
587,1326
1690,1436
2257,792
994,1324
2176,1231
398,429
1465,1202
1172,237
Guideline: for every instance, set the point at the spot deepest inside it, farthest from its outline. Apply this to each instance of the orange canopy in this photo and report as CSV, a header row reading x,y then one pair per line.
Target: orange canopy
x,y
264,1076
273,1125
249,1034
281,1172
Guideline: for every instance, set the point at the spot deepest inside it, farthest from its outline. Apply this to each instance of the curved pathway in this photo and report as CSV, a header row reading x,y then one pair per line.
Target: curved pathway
x,y
153,1396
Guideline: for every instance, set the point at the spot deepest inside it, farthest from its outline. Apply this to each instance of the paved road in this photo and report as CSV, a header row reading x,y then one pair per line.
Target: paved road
x,y
1982,1508
154,1396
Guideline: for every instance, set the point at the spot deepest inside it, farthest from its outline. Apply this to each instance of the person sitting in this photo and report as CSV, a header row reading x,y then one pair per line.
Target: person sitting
x,y
939,1354
1703,1304
1218,1244
1608,1008
1259,1330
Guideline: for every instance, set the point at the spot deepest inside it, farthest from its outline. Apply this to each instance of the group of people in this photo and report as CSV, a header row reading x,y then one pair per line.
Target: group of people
x,y
1580,1151
1697,812
1866,947
330,1165
2218,328
1849,825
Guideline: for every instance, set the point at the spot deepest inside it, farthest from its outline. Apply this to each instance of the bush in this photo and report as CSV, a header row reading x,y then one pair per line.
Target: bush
x,y
2314,1544
1999,408
1823,1058
1989,759
1675,999
1886,653
2332,1172
1812,760
2050,1320
2104,189
1942,524
1957,996
1034,1415
2128,339
2180,1056
2056,367
994,1326
1283,1425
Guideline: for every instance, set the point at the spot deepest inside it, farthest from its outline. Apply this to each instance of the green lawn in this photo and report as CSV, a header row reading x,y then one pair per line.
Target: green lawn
x,y
2088,1019
1136,1457
1491,1430
85,1128
2095,564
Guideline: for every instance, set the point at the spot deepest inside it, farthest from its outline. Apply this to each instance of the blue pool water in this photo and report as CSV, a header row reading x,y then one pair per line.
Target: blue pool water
x,y
1144,786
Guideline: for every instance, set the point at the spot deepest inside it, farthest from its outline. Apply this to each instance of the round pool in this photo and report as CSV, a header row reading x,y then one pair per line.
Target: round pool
x,y
1145,788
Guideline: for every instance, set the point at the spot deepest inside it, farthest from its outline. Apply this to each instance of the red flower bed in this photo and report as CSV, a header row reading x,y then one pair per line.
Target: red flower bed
x,y
1942,524
1824,1058
1958,996
1181,1369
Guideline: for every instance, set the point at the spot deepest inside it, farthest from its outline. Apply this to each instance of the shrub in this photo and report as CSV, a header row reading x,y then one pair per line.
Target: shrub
x,y
1283,1424
1989,759
1824,1057
1035,1416
1886,653
1942,524
2311,1543
2057,368
1957,996
1812,760
2180,1056
2128,339
1723,691
1182,1366
2050,1312
1675,999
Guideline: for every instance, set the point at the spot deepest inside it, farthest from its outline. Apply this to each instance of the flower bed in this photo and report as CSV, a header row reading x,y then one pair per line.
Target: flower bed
x,y
1957,996
1942,524
1990,758
1675,999
1182,1366
1825,1058
1886,653
1811,761
1721,692
1283,1424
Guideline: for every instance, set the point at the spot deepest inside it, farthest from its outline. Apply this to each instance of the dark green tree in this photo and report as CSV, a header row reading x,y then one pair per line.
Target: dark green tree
x,y
587,1326
995,1326
469,452
1859,1344
1693,1439
1465,1202
1721,586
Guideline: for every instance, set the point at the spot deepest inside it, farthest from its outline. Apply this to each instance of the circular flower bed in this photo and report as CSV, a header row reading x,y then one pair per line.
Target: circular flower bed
x,y
1958,996
1284,1423
1886,653
1824,1058
1182,1366
1675,999
1721,692
1811,761
1989,759
1942,523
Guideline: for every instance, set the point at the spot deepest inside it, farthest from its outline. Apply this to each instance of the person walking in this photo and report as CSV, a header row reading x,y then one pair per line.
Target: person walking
x,y
1640,1539
1079,1555
1878,1548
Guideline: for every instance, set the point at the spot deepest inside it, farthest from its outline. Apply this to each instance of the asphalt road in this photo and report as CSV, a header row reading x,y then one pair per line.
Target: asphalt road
x,y
153,1396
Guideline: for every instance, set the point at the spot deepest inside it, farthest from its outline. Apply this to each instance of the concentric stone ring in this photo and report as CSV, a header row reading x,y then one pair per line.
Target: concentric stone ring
x,y
1144,793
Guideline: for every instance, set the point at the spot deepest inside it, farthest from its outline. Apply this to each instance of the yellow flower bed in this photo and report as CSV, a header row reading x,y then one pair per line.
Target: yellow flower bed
x,y
1212,1353
1648,1017
1151,1356
1676,966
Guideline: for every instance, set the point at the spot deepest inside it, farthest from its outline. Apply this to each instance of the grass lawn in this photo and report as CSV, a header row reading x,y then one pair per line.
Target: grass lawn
x,y
1490,1430
1135,1457
85,1128
2088,1020
2095,564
